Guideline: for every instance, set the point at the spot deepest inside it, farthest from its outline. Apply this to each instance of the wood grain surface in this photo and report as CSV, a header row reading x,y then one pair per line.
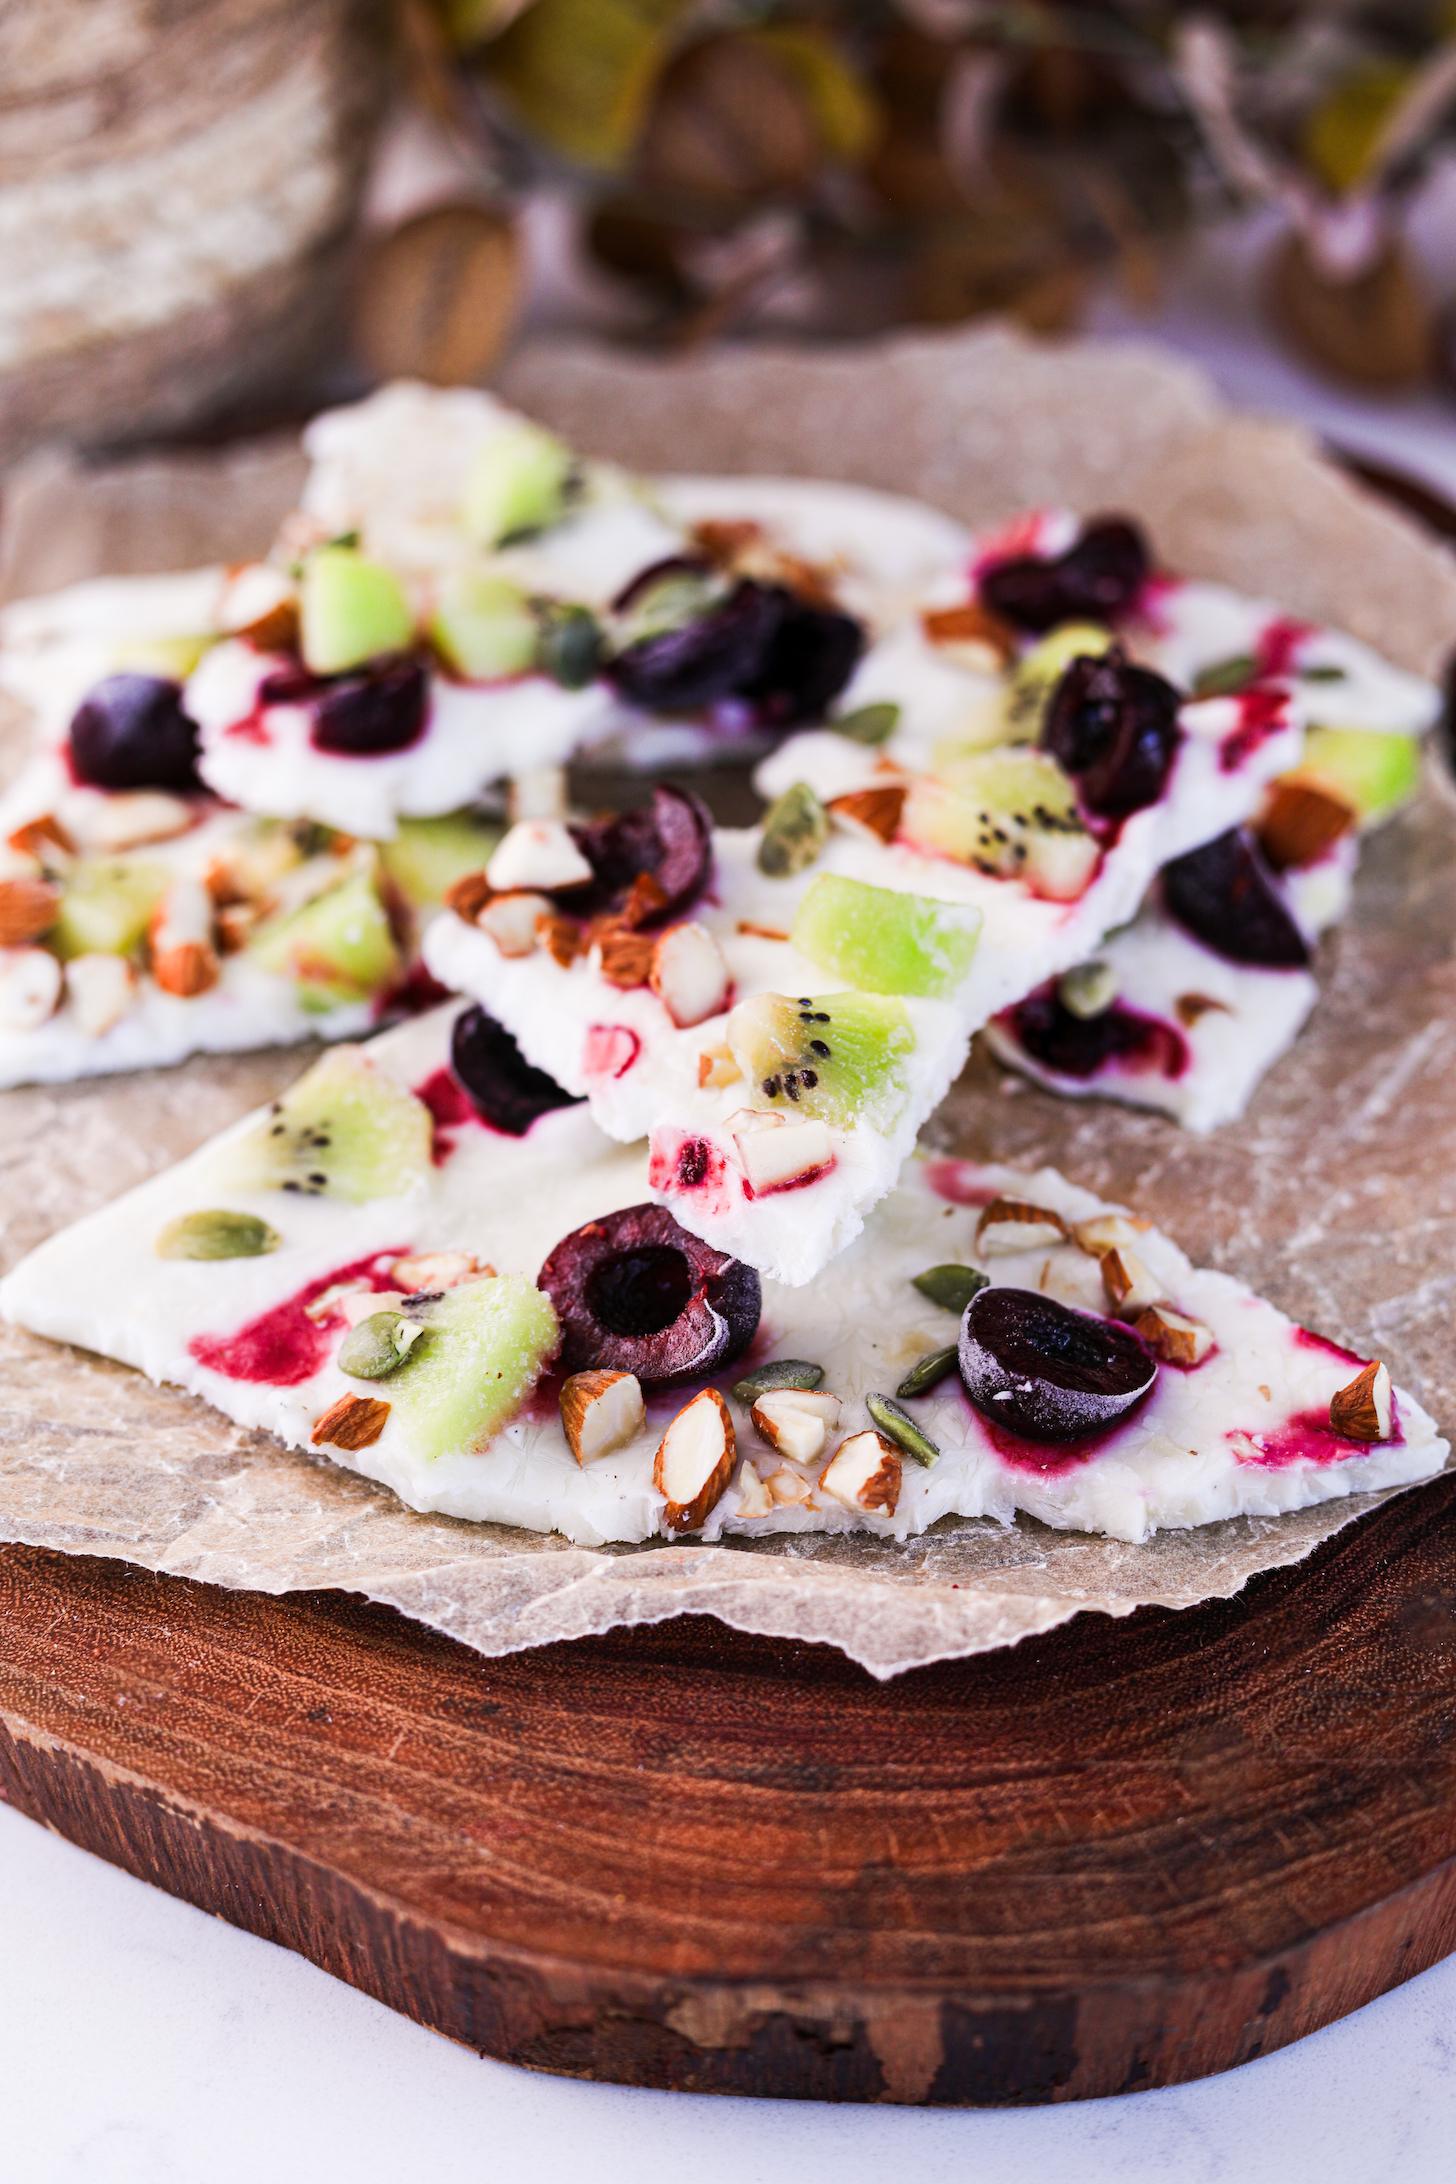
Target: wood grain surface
x,y
1118,1856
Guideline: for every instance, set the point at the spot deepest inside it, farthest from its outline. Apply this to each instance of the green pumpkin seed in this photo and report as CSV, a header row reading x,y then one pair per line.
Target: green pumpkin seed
x,y
901,1428
217,1235
929,1372
869,723
795,829
569,648
377,1346
950,1286
1088,990
1221,678
1322,671
784,1372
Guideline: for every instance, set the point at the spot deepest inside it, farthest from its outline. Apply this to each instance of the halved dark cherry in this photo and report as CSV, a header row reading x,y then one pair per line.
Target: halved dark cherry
x,y
1081,1046
505,1089
1041,1370
635,1293
1098,578
1114,727
780,658
1225,895
382,708
132,732
671,839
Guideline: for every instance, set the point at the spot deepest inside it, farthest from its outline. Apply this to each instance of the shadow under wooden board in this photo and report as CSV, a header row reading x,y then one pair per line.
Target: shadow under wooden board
x,y
1118,1856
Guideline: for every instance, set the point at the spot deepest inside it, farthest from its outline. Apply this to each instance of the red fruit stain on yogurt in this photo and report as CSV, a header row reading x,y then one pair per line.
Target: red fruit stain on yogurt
x,y
1047,1459
283,1346
957,1181
610,1050
685,1166
1307,1339
1279,644
1307,1438
1262,713
451,1108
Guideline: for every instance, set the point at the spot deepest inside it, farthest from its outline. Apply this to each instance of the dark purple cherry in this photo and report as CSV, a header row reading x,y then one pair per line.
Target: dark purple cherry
x,y
672,839
131,732
381,708
1098,578
714,644
1079,1046
1446,723
635,1293
1225,895
810,658
1041,1370
505,1089
1114,727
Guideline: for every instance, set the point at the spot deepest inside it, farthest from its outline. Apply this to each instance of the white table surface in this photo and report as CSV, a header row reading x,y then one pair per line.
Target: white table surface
x,y
143,2043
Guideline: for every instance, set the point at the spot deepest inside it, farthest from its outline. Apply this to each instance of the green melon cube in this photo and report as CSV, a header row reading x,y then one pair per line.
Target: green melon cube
x,y
883,941
351,610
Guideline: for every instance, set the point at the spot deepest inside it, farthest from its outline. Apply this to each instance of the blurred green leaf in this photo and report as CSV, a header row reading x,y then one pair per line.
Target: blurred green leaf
x,y
579,73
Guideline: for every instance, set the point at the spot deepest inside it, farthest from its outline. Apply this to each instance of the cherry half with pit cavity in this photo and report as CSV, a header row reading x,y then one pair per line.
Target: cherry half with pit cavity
x,y
669,840
1099,577
381,708
133,732
1114,727
635,1293
1225,895
506,1090
1039,1369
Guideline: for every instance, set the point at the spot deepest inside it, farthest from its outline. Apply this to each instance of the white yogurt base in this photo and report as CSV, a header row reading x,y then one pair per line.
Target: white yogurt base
x,y
100,1285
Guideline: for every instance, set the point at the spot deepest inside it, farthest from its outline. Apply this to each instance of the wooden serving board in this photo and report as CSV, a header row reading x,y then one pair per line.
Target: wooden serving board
x,y
1117,1856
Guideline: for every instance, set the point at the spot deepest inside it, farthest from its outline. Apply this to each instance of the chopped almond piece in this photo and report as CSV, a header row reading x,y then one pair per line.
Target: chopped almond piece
x,y
753,931
513,921
694,1461
100,989
419,1270
184,959
355,1421
753,1497
864,1473
1300,821
139,816
600,1412
1018,1224
539,792
30,987
1189,1007
1364,1410
538,853
775,1150
716,1066
560,938
874,812
27,909
796,1421
625,959
1172,1336
972,633
689,975
789,1489
645,897
46,840
1106,1232
468,896
1130,1283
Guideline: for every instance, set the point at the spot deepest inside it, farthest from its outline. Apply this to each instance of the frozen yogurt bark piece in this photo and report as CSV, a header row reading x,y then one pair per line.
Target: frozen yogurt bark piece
x,y
423,1266
879,912
545,605
1187,1009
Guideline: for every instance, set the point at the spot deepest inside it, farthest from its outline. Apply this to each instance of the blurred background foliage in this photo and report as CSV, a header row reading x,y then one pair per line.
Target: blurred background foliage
x,y
733,165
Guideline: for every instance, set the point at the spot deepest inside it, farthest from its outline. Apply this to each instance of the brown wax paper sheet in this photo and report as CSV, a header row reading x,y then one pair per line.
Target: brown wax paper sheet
x,y
1335,1196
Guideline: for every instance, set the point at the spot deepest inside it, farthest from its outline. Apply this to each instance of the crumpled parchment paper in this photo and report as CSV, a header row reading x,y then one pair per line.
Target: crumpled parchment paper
x,y
1336,1195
